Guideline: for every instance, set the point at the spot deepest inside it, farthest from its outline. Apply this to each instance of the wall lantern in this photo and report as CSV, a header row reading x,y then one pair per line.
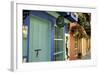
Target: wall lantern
x,y
24,31
60,21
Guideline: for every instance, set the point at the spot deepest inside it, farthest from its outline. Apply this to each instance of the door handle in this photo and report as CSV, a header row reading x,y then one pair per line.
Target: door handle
x,y
37,52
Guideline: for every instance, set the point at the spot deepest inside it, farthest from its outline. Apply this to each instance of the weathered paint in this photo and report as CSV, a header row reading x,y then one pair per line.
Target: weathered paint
x,y
40,39
72,47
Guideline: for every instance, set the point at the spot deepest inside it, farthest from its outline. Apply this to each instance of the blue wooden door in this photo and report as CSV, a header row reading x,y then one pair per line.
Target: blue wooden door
x,y
39,39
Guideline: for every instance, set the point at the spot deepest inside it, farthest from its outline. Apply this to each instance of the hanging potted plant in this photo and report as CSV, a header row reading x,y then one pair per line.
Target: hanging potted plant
x,y
76,33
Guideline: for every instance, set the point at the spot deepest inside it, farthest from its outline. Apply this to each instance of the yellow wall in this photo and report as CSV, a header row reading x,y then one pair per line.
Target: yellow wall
x,y
84,46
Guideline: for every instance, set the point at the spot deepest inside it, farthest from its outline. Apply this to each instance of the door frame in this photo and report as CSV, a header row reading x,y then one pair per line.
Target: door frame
x,y
68,43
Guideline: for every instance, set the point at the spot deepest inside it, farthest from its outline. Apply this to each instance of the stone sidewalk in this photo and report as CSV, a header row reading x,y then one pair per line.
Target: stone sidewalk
x,y
88,56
